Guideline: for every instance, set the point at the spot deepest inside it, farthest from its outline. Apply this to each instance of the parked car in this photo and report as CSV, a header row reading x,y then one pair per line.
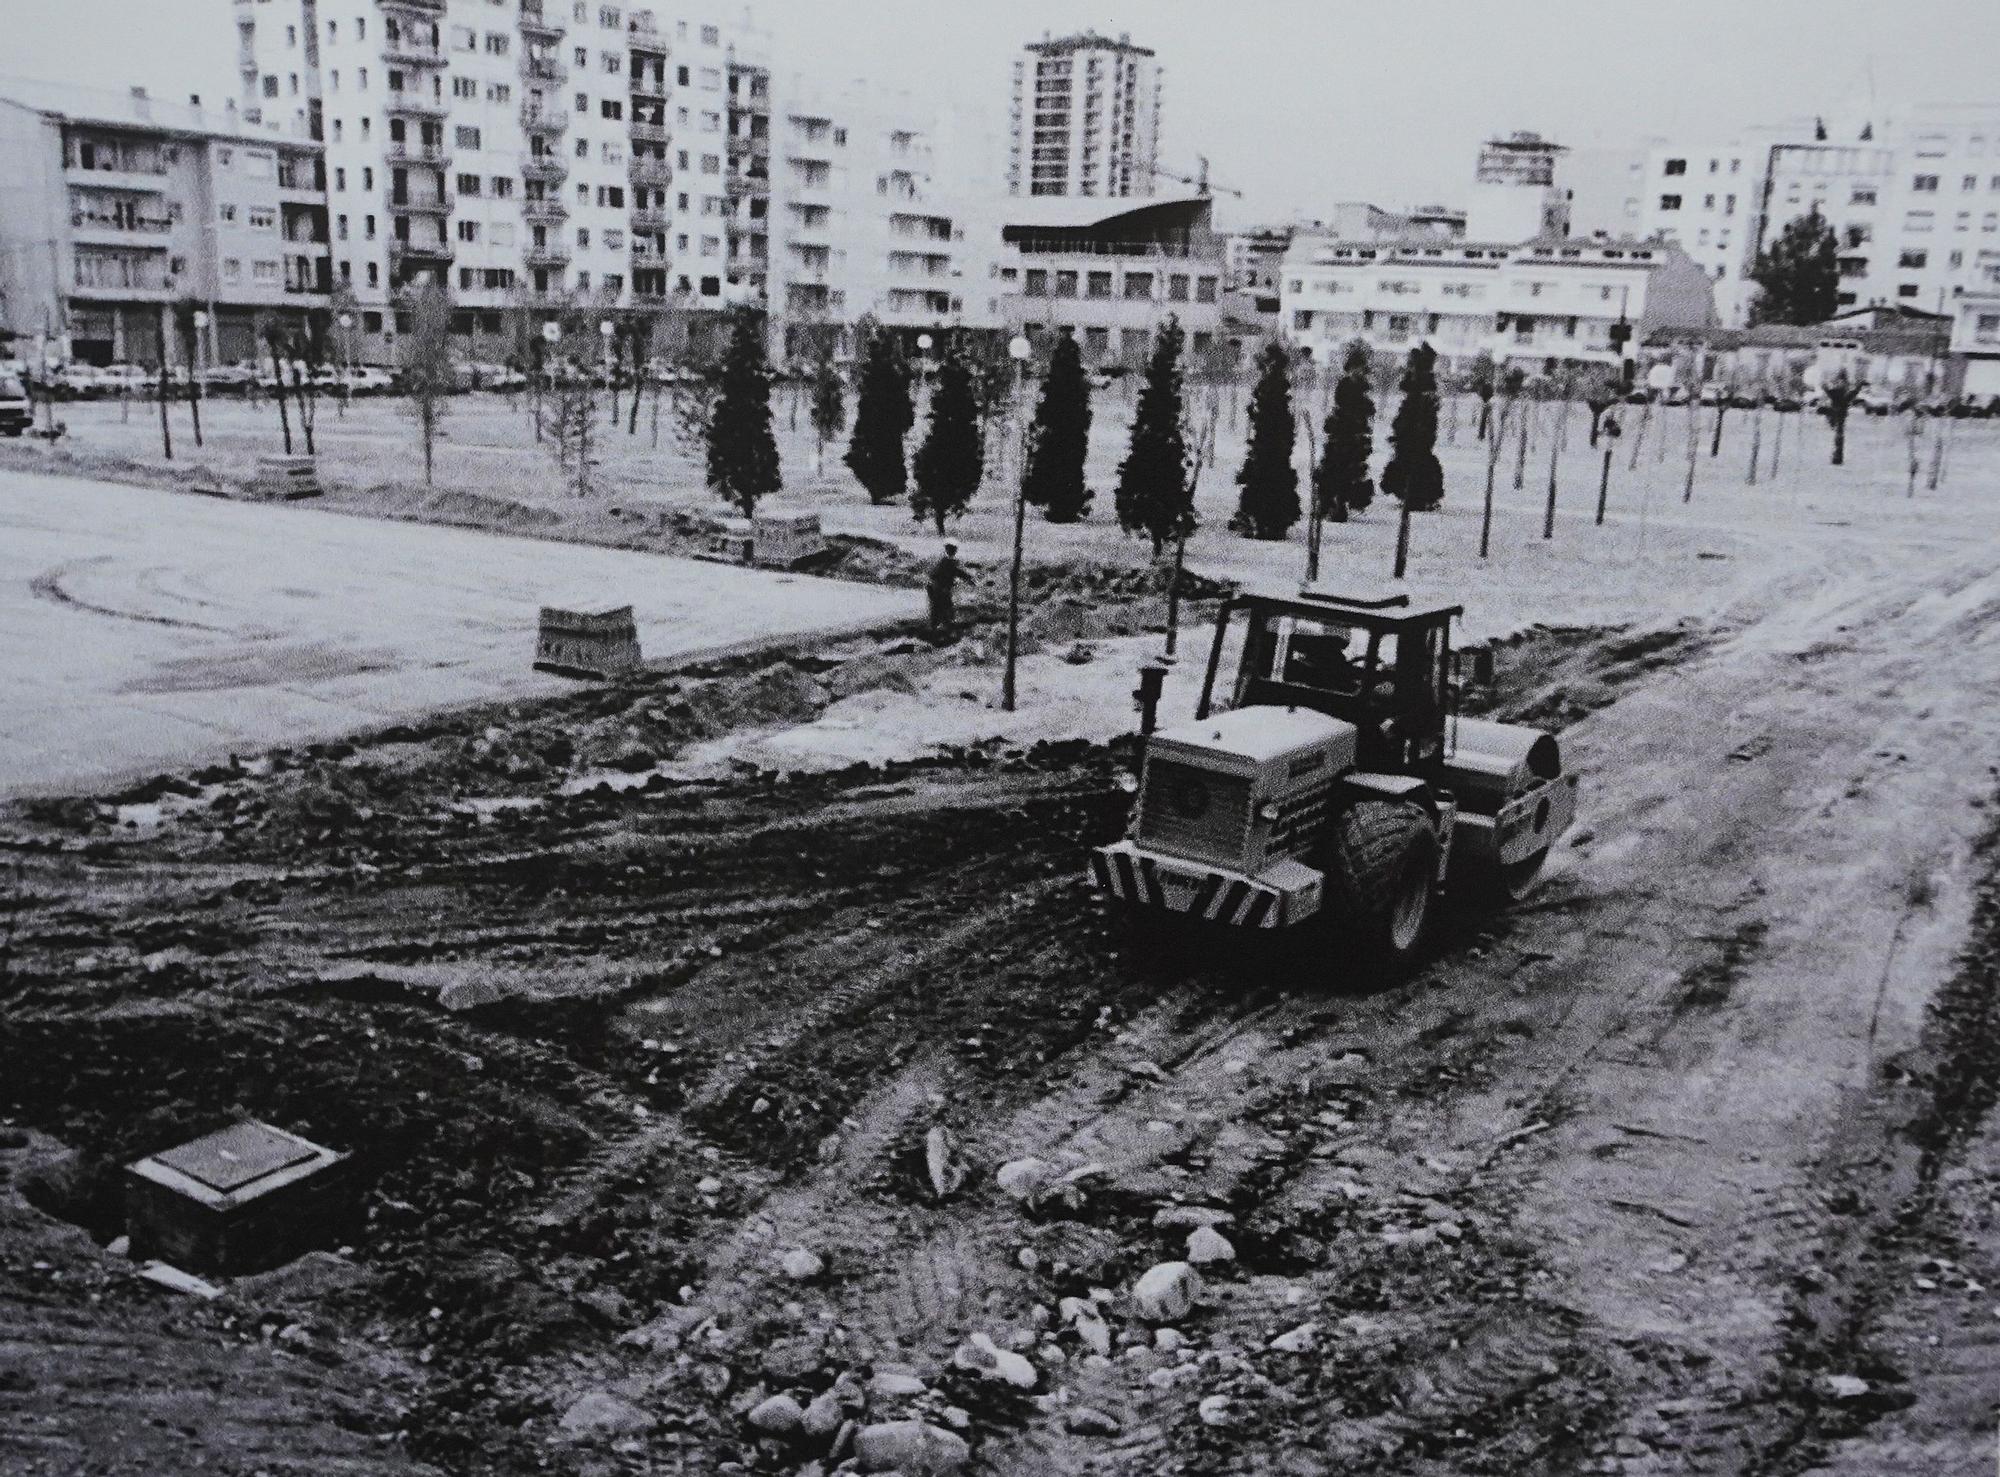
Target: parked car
x,y
17,411
227,377
365,379
267,374
1713,392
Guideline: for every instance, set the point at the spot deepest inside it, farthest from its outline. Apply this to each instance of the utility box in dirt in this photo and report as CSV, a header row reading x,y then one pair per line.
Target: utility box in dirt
x,y
582,643
288,477
787,538
730,541
246,1199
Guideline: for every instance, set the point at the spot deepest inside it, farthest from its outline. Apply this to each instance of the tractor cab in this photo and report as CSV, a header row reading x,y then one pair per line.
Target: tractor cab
x,y
1380,664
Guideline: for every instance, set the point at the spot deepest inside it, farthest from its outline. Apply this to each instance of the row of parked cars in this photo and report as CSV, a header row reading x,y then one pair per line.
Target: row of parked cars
x,y
78,381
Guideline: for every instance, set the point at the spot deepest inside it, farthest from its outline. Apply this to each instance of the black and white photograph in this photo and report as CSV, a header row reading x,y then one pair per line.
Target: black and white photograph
x,y
1079,738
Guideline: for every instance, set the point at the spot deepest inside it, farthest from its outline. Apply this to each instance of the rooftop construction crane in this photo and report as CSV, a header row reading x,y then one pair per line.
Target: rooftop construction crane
x,y
1341,783
1199,179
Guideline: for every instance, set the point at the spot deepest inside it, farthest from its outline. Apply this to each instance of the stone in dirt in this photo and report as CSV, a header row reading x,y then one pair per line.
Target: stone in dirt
x,y
801,1265
1300,1340
1166,1292
1190,1217
1846,1386
1087,1421
1214,1410
981,1355
1081,1315
779,1416
912,1448
1207,1246
822,1417
1025,1179
887,1384
943,1162
600,1414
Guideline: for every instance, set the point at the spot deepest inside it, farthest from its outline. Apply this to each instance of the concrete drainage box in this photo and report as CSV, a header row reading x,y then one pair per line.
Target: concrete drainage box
x,y
242,1200
587,643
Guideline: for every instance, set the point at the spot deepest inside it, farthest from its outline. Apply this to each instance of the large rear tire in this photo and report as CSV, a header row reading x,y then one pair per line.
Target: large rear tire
x,y
1385,858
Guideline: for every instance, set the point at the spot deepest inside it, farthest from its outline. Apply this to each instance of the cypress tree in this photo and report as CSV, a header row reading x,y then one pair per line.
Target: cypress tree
x,y
742,453
1799,273
882,418
1413,473
1344,482
829,403
1269,502
952,459
1153,493
1060,439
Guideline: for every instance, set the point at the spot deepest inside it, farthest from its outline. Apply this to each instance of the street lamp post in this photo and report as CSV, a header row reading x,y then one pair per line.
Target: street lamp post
x,y
1017,350
346,360
194,372
551,336
924,342
607,330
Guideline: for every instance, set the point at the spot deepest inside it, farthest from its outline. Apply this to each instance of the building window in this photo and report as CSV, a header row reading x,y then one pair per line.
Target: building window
x,y
262,218
1065,284
466,138
1925,184
1915,260
1862,195
1204,289
496,43
228,212
1139,286
464,87
1906,289
468,230
1675,166
1036,282
468,184
1919,220
711,36
1670,202
612,109
1100,284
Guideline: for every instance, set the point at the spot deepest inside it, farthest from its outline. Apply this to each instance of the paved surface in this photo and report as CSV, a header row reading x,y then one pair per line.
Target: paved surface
x,y
141,630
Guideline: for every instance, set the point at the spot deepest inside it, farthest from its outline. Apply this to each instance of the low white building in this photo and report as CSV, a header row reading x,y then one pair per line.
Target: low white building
x,y
1533,301
1975,339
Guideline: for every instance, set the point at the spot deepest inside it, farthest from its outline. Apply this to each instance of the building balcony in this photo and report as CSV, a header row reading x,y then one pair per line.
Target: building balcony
x,y
547,254
544,120
417,153
649,133
148,234
416,7
543,68
407,104
420,253
547,211
536,24
747,184
147,181
412,53
292,186
420,205
652,172
114,292
649,220
549,168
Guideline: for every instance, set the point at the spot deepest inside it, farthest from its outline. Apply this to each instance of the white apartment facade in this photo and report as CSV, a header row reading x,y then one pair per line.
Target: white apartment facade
x,y
1084,118
1529,301
1913,199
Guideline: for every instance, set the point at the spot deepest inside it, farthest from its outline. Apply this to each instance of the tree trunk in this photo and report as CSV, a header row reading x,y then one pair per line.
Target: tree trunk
x,y
1756,443
1840,442
429,437
1715,445
1777,445
1639,436
1521,455
278,394
1485,417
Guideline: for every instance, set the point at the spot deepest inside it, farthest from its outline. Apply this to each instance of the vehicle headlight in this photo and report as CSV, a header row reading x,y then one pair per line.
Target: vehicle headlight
x,y
1129,783
1268,811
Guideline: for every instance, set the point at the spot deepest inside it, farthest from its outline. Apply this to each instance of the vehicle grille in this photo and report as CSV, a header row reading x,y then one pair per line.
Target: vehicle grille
x,y
1194,812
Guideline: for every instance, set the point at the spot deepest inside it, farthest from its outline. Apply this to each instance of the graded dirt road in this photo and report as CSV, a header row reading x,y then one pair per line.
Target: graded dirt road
x,y
1628,1180
141,630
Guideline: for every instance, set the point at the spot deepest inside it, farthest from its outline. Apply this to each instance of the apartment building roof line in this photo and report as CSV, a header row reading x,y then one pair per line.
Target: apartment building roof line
x,y
136,110
1086,41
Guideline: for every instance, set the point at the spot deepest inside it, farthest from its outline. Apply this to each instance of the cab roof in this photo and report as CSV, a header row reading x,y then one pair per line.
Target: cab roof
x,y
1380,610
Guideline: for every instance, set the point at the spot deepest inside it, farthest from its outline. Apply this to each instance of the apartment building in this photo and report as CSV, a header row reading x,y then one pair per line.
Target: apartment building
x,y
114,206
1913,197
521,153
1085,117
1112,277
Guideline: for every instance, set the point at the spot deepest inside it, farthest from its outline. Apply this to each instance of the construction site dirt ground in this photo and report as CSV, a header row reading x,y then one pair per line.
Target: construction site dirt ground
x,y
1684,1166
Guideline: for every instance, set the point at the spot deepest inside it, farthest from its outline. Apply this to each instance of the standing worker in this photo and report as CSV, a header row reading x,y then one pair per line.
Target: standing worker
x,y
945,576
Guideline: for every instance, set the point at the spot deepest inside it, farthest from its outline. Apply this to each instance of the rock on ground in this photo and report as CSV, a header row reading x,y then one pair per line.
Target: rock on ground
x,y
1166,1292
599,1414
912,1448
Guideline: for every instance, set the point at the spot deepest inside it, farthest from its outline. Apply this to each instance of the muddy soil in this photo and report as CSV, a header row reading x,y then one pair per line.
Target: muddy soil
x,y
607,1055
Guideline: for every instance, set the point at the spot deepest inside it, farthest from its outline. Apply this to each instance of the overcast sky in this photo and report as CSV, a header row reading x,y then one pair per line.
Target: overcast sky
x,y
1296,102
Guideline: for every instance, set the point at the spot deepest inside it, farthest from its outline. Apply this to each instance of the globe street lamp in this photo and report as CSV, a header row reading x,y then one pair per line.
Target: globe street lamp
x,y
607,330
346,322
200,320
1017,349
